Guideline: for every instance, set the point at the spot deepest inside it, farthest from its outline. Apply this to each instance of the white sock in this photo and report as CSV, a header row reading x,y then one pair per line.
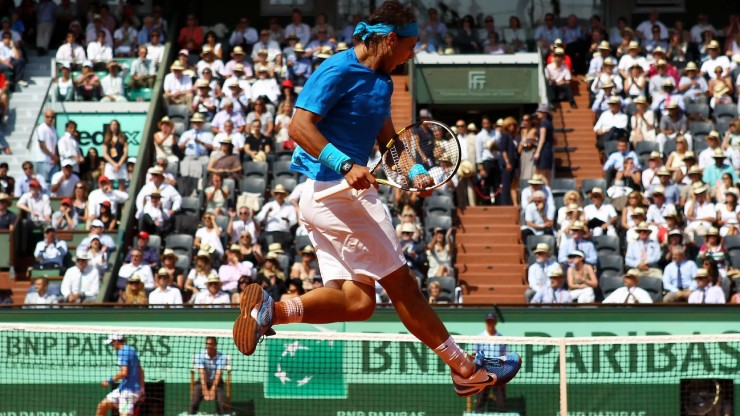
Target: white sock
x,y
289,311
455,357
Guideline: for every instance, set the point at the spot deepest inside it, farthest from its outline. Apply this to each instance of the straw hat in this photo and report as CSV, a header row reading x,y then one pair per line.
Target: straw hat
x,y
714,134
701,274
542,248
308,250
572,208
111,64
177,66
638,211
165,120
713,45
197,118
213,279
202,83
578,225
633,45
472,127
663,171
689,154
279,189
610,61
672,104
299,48
669,82
577,253
659,190
643,227
691,66
608,84
162,272
712,231
466,169
604,46
700,189
536,179
408,228
135,279
558,42
614,100
655,155
203,254
597,191
718,153
237,51
632,273
640,100
342,46
168,252
556,273
559,51
275,248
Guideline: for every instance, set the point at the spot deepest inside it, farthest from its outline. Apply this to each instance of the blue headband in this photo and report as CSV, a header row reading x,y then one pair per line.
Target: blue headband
x,y
410,29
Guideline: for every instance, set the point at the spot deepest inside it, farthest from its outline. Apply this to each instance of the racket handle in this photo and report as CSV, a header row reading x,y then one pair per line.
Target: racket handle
x,y
325,193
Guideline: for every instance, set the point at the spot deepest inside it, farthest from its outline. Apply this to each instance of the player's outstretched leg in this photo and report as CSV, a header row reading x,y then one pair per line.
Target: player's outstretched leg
x,y
470,375
339,301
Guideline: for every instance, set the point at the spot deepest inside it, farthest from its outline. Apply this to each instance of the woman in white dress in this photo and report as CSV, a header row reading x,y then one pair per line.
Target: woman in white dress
x,y
165,141
727,211
197,278
209,234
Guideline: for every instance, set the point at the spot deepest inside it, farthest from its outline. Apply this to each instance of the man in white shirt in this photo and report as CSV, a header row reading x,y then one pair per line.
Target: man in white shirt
x,y
538,272
143,70
601,216
164,295
171,199
644,29
278,214
650,174
700,212
705,292
630,292
155,49
112,84
69,148
136,266
178,87
628,59
265,86
611,124
236,227
196,144
91,33
96,231
213,296
273,48
558,79
36,204
714,60
556,293
99,52
63,182
50,250
45,146
41,295
298,28
105,192
644,253
243,34
691,84
71,52
11,60
702,25
82,282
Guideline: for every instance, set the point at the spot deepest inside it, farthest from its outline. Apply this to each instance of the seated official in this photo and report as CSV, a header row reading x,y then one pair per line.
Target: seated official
x,y
706,292
556,293
210,366
630,292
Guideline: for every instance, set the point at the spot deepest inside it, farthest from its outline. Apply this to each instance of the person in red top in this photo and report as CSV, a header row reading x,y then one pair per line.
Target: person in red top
x,y
566,58
191,36
658,54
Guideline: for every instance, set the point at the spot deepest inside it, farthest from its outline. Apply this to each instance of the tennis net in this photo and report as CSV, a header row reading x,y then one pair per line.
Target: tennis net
x,y
57,370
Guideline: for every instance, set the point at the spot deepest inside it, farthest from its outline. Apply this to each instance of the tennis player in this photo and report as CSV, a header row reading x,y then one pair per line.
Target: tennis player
x,y
341,112
131,376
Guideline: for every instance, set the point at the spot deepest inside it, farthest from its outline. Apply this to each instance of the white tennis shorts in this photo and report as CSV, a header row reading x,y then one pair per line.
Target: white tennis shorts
x,y
123,400
120,174
352,233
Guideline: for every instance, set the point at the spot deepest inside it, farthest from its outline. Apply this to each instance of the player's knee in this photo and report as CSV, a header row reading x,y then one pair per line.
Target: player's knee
x,y
362,310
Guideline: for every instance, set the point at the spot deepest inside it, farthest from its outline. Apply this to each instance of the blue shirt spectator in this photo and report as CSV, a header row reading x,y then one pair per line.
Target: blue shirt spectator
x,y
210,364
679,275
616,160
577,243
642,251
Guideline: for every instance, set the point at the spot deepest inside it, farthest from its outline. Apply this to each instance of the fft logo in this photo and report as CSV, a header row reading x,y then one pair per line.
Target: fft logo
x,y
476,80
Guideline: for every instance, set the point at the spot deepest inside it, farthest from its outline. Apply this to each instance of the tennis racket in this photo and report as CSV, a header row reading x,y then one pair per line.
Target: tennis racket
x,y
420,157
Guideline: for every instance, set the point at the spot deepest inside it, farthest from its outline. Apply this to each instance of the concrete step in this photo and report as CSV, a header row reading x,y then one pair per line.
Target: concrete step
x,y
487,269
498,289
484,247
490,258
475,237
487,299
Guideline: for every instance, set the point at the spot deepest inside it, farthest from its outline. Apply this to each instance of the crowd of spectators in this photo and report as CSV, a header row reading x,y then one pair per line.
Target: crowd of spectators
x,y
664,103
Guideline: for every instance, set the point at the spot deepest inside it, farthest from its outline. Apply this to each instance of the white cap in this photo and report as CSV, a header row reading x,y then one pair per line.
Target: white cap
x,y
114,337
97,223
424,113
67,162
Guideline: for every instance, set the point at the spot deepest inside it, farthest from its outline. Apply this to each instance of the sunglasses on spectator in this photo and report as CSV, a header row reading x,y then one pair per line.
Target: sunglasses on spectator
x,y
460,125
244,213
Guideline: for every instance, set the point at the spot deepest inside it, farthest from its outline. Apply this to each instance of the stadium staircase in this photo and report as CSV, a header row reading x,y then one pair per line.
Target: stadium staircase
x,y
401,107
489,255
576,155
25,104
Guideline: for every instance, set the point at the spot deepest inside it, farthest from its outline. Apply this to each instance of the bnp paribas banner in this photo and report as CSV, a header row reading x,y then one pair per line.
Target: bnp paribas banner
x,y
53,374
92,127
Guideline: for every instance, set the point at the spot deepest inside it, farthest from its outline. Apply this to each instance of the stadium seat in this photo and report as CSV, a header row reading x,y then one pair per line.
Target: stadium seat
x,y
732,242
563,184
607,245
180,243
588,184
644,148
724,110
191,205
140,94
724,283
284,238
630,109
533,240
448,286
610,147
253,185
442,191
668,148
288,182
723,124
223,222
523,184
699,143
441,202
282,168
183,262
300,242
258,169
155,242
653,286
559,202
611,262
700,109
610,281
434,221
700,127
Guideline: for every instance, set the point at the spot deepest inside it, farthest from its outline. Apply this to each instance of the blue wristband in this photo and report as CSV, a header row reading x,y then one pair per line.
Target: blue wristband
x,y
111,381
332,158
417,170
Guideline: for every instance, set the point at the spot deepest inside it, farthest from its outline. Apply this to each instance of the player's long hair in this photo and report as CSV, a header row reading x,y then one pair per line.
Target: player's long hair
x,y
391,12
